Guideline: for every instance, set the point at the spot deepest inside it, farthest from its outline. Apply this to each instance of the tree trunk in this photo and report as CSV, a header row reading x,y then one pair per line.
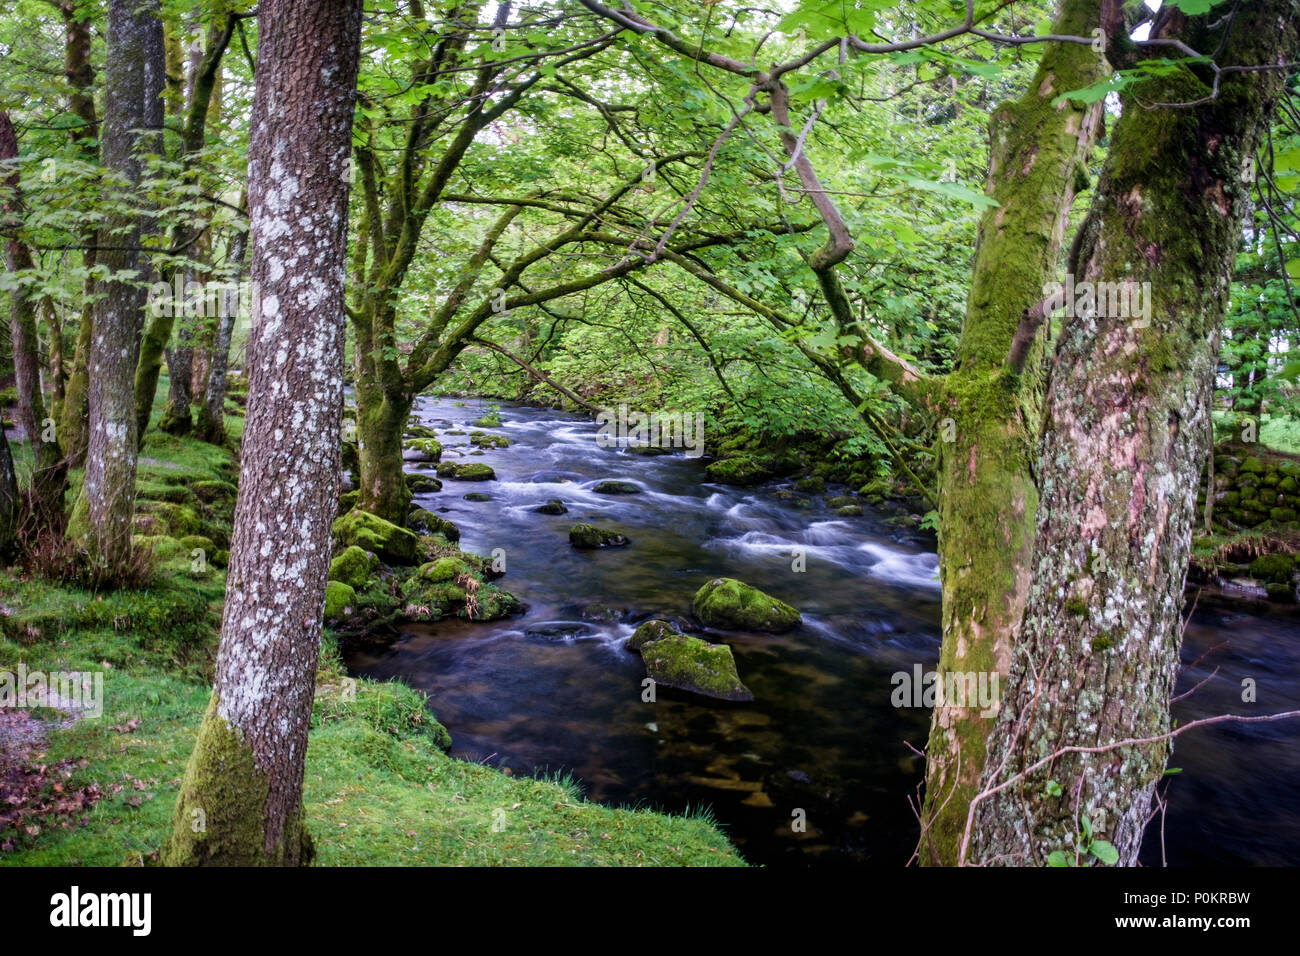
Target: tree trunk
x,y
50,473
1126,429
80,74
988,497
8,499
244,779
211,424
134,82
381,421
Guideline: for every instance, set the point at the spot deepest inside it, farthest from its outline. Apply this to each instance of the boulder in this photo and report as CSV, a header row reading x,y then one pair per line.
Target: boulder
x,y
423,449
650,631
339,599
553,507
617,488
586,537
370,532
418,484
690,664
461,472
426,522
734,605
353,566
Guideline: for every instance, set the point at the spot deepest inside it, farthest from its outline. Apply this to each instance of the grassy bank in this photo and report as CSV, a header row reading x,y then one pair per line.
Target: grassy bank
x,y
380,790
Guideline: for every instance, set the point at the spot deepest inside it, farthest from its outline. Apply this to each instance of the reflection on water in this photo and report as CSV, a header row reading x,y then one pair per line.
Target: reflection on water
x,y
555,690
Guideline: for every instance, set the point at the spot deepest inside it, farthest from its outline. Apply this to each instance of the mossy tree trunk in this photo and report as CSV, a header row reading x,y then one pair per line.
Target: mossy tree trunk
x,y
1127,426
80,74
241,798
134,81
987,492
50,473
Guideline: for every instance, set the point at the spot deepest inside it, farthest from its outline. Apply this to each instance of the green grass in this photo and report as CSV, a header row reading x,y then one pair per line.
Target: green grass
x,y
379,789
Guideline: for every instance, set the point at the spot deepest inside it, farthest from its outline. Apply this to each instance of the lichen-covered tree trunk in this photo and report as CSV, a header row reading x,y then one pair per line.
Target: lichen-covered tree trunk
x,y
134,81
1125,434
49,474
241,798
988,496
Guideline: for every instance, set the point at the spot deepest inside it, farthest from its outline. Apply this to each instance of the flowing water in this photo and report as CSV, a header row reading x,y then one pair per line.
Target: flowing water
x,y
819,767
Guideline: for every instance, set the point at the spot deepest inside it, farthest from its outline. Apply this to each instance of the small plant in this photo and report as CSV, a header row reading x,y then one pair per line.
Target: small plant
x,y
1086,849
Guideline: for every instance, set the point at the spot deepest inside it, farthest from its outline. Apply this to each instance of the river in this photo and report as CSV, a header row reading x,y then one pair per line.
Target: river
x,y
818,768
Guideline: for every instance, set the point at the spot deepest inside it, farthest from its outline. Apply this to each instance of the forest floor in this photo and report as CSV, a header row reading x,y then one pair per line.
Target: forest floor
x,y
379,788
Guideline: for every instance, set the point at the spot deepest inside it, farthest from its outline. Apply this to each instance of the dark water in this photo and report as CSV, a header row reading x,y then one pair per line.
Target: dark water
x,y
555,690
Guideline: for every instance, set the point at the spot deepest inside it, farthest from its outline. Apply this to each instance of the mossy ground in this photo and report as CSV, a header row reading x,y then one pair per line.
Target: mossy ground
x,y
379,789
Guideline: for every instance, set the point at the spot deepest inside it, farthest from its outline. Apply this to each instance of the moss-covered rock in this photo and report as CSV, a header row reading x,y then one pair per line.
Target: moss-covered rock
x,y
354,567
177,520
466,472
617,488
422,449
1252,466
650,631
486,440
418,484
1276,568
587,537
812,485
690,664
734,605
426,522
339,600
553,507
741,470
372,533
477,496
417,430
842,501
215,492
849,511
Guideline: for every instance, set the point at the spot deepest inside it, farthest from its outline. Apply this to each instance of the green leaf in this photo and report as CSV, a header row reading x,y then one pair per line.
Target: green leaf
x,y
1193,8
1053,788
1058,858
1105,852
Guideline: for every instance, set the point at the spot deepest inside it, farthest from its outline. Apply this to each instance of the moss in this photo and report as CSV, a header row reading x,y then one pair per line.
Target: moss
x,y
741,470
225,792
215,492
339,597
1252,466
466,472
553,507
1102,642
443,569
423,449
842,501
811,486
688,663
422,484
732,604
1077,607
426,522
354,567
372,533
485,440
477,496
616,488
1276,568
586,537
649,631
179,520
849,511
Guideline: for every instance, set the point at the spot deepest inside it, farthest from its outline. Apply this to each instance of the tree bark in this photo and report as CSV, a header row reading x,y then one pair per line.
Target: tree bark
x,y
1126,431
245,776
80,74
50,473
987,491
134,82
211,422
